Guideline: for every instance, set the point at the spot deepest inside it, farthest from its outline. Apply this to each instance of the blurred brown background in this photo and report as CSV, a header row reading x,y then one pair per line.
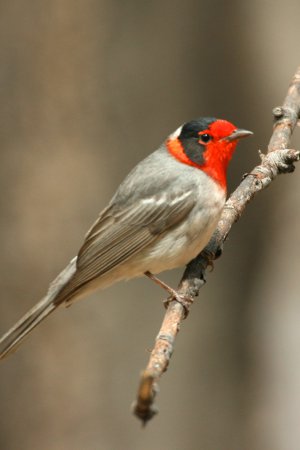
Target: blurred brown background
x,y
87,89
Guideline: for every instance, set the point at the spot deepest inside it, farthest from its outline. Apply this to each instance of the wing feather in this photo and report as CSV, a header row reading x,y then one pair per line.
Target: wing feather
x,y
120,233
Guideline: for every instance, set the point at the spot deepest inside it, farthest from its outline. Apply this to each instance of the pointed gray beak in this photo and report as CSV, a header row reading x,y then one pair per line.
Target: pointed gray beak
x,y
237,134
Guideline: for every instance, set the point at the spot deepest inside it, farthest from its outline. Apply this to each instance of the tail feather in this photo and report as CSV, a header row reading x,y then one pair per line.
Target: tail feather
x,y
13,338
10,341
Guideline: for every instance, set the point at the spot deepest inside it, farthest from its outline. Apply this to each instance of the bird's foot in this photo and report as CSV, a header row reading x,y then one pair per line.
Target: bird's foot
x,y
185,300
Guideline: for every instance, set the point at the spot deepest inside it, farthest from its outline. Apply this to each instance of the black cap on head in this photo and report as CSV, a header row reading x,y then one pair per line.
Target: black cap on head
x,y
189,138
192,128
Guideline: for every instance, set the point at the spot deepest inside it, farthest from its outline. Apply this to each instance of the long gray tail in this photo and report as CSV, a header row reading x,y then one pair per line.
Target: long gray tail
x,y
16,334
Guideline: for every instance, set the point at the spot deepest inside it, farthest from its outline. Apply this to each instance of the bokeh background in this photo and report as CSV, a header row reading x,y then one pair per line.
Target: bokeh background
x,y
87,89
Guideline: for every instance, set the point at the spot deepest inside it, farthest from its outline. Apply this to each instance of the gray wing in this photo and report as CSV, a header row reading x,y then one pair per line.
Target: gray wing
x,y
120,233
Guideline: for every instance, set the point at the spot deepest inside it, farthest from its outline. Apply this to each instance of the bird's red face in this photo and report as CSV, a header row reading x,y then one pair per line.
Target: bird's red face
x,y
207,144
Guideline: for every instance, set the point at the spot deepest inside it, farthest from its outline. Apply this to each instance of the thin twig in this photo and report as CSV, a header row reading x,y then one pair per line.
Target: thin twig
x,y
279,159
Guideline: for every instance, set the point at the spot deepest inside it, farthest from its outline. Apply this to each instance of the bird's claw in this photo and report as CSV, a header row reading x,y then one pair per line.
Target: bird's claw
x,y
185,300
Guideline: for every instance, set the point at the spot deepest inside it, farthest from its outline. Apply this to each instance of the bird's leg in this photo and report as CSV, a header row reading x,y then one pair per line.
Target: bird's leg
x,y
186,301
160,283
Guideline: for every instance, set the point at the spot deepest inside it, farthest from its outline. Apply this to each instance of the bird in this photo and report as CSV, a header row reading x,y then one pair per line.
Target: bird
x,y
161,217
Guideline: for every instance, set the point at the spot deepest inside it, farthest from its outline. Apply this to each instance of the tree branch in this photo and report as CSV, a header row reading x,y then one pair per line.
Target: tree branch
x,y
279,159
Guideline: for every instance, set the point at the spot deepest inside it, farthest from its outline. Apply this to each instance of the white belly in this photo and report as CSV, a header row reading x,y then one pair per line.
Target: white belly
x,y
184,243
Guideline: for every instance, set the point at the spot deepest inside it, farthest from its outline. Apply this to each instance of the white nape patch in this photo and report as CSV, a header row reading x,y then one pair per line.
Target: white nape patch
x,y
176,133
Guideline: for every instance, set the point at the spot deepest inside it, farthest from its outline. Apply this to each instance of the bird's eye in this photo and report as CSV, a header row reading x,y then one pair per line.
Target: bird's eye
x,y
205,138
